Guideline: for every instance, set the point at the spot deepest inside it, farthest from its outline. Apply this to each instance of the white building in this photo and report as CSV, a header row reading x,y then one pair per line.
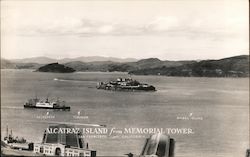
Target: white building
x,y
63,144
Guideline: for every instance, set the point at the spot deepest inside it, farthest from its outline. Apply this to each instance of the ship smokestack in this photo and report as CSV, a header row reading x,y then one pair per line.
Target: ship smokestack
x,y
7,132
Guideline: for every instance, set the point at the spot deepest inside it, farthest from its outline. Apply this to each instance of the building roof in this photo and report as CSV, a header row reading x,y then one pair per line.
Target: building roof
x,y
65,138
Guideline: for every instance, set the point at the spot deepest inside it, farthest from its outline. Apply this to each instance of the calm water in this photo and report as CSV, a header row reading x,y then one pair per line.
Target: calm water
x,y
221,102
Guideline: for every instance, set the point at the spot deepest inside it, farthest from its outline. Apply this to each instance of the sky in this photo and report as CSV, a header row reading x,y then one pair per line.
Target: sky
x,y
164,29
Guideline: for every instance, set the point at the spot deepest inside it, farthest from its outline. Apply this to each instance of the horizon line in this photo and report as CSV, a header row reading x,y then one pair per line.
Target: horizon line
x,y
119,58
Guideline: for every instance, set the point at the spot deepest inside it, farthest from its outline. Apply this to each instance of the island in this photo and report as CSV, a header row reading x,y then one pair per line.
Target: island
x,y
125,84
56,68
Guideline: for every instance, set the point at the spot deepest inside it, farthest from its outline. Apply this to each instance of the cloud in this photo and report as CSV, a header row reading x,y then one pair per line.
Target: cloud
x,y
163,25
105,29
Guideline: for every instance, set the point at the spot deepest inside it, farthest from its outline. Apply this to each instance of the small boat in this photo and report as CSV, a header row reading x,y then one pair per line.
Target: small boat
x,y
37,103
9,138
15,143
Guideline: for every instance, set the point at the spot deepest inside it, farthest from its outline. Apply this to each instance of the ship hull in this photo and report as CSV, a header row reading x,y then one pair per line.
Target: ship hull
x,y
52,108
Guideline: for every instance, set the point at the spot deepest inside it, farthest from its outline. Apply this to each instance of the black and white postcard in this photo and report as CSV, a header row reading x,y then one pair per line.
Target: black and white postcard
x,y
125,78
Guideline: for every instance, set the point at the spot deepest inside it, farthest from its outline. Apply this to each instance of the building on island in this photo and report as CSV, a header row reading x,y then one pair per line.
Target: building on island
x,y
63,143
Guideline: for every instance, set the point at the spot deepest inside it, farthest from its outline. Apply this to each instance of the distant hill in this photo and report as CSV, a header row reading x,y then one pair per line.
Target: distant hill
x,y
91,66
155,62
123,67
46,60
6,64
97,59
28,65
56,68
38,60
237,66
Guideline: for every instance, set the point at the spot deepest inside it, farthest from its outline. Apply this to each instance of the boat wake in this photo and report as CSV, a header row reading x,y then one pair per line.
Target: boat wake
x,y
71,80
68,123
11,107
56,79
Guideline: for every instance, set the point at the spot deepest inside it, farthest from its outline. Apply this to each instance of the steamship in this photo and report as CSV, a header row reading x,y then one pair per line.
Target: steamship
x,y
37,103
